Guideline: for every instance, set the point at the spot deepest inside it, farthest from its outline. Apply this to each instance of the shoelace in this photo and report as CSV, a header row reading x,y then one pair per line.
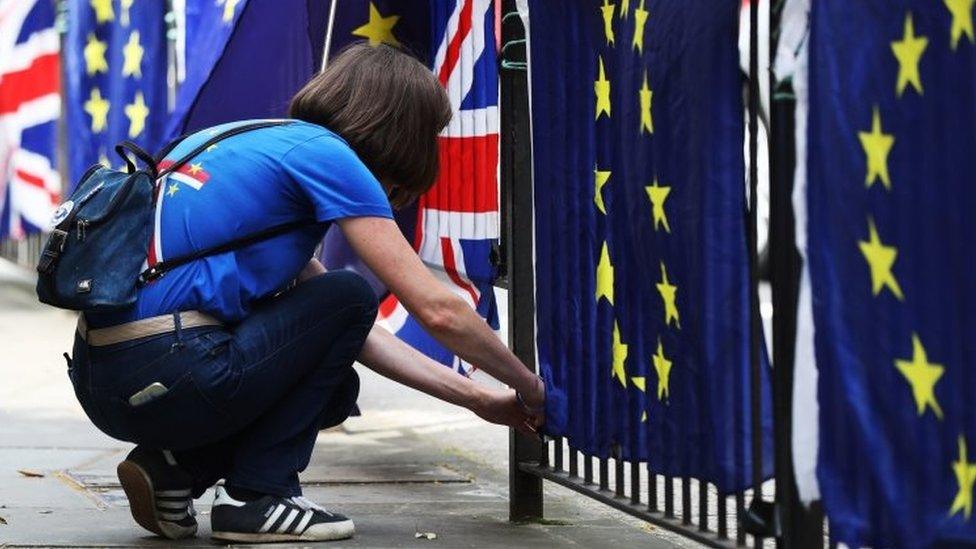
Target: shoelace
x,y
307,504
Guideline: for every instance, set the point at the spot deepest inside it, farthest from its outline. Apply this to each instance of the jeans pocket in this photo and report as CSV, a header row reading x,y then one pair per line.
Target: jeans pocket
x,y
180,418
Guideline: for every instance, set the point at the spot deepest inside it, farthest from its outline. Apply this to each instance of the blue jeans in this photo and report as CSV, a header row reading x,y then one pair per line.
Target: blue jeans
x,y
246,402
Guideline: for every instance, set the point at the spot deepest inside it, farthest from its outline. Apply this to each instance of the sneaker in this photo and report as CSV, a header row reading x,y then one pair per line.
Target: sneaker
x,y
159,493
274,518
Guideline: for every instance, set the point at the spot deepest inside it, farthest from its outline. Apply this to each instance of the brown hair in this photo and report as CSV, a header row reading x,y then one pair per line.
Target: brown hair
x,y
389,108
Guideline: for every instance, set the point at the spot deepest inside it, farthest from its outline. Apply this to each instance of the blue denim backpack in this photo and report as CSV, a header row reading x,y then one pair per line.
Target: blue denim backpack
x,y
94,258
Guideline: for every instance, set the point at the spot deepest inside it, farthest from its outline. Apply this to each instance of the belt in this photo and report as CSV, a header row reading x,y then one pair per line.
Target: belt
x,y
146,327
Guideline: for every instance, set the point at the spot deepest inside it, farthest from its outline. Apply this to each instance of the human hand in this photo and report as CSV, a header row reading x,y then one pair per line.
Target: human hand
x,y
502,407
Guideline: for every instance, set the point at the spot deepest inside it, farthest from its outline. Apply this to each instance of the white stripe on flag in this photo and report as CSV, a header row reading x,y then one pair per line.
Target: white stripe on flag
x,y
43,42
463,225
473,123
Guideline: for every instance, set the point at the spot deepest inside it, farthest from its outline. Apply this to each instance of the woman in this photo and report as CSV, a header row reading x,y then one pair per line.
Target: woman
x,y
227,367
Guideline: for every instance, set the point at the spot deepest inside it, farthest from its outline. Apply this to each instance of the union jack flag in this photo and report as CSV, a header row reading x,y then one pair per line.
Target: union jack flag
x,y
30,104
457,220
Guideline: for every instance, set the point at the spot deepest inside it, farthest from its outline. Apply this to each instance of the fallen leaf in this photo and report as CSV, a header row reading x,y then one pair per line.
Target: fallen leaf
x,y
46,512
30,474
3,520
425,535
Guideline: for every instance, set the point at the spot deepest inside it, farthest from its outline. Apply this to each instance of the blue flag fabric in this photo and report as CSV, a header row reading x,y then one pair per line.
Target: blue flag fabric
x,y
246,59
641,262
115,62
891,246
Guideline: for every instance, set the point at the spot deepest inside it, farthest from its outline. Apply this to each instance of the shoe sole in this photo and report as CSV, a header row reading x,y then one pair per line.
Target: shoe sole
x,y
139,490
331,532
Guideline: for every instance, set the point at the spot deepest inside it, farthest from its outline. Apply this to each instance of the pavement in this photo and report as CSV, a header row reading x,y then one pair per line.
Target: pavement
x,y
411,471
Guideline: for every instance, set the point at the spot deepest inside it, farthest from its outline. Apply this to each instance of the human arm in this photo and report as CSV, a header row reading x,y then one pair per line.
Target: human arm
x,y
382,247
388,356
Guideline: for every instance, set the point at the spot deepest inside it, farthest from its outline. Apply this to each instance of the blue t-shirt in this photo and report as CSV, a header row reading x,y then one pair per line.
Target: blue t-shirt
x,y
246,183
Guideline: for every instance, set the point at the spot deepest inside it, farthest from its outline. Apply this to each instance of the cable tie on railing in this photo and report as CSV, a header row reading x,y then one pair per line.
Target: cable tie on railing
x,y
510,14
513,65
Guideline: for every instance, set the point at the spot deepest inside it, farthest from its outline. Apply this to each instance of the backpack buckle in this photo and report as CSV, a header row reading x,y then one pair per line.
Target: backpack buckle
x,y
150,274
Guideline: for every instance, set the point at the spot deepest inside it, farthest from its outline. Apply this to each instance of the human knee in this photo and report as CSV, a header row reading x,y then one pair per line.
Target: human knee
x,y
356,291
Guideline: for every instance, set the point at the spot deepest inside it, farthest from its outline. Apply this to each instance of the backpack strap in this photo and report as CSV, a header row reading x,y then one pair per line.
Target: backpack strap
x,y
159,269
162,267
212,141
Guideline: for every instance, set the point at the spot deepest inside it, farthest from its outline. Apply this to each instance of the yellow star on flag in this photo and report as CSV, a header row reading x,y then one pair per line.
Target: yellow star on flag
x,y
604,275
646,96
195,168
962,19
876,145
663,368
619,353
640,382
922,375
230,7
624,8
908,51
94,53
880,260
103,160
103,10
378,30
640,19
132,56
602,89
965,477
658,195
607,9
97,108
644,417
137,113
668,293
600,179
173,188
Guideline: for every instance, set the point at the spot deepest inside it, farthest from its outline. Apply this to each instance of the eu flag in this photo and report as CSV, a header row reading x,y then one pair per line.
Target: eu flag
x,y
641,266
892,242
115,61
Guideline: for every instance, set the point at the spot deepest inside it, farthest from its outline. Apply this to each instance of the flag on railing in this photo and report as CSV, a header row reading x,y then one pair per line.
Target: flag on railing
x,y
642,280
456,222
245,59
115,62
30,103
891,241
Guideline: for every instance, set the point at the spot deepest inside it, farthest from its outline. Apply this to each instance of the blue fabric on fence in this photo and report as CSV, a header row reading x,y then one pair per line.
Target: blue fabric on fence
x,y
891,247
115,63
615,350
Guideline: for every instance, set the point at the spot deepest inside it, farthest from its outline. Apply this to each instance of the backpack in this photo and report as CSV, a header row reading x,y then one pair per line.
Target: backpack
x,y
94,258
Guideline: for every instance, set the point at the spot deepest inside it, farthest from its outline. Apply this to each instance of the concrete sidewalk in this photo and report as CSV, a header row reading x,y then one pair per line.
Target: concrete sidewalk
x,y
409,465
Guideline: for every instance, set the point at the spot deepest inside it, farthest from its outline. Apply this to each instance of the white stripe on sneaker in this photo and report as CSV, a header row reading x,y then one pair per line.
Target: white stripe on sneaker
x,y
304,522
171,504
173,517
271,520
287,522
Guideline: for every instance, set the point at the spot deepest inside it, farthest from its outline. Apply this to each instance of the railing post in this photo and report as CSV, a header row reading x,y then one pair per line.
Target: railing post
x,y
801,527
525,489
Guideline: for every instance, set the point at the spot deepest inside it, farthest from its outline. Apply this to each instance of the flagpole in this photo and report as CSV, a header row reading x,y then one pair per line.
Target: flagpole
x,y
328,34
